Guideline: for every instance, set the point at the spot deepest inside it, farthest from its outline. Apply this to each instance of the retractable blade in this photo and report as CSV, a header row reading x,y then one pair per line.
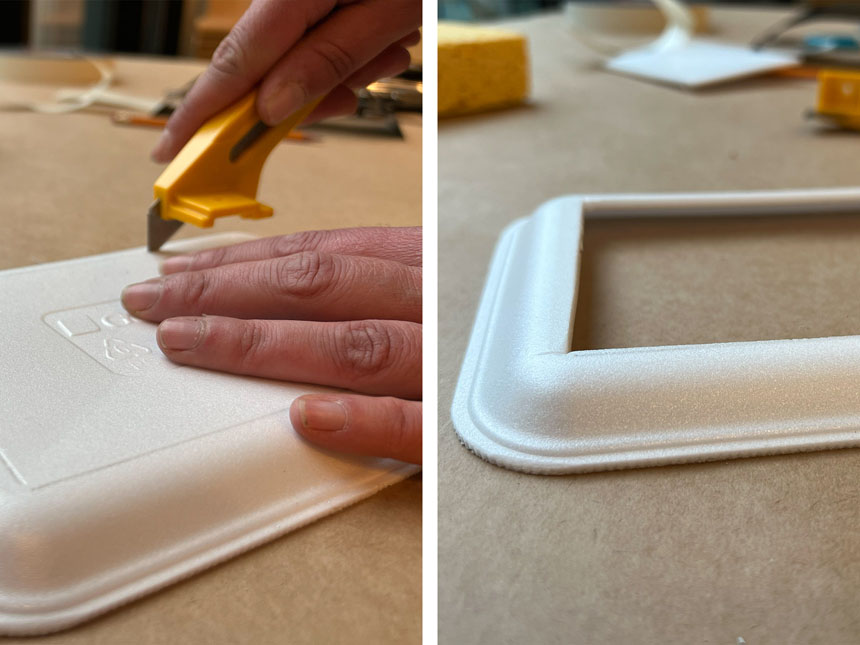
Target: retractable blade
x,y
159,230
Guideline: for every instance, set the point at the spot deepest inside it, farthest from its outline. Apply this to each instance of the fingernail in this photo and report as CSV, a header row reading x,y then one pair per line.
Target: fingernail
x,y
180,333
176,264
160,151
141,296
322,414
281,103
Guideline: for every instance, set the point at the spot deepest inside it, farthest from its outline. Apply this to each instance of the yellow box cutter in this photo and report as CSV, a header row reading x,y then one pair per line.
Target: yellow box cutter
x,y
217,172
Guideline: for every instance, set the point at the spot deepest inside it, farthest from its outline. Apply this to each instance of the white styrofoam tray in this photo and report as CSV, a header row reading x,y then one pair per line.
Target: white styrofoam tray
x,y
525,401
122,472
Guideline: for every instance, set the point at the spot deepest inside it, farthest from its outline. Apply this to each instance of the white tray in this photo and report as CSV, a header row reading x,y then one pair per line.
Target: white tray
x,y
124,472
525,401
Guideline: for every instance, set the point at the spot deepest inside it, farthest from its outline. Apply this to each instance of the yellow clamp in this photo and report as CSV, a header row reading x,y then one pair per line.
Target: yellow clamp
x,y
218,171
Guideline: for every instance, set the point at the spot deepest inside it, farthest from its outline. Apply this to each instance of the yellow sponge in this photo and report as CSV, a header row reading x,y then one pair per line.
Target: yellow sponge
x,y
480,68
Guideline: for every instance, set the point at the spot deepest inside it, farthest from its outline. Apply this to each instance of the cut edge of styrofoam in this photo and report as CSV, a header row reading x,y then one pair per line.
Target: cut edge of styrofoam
x,y
483,443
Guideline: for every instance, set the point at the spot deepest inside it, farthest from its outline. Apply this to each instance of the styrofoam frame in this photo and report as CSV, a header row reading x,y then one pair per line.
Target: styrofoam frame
x,y
525,401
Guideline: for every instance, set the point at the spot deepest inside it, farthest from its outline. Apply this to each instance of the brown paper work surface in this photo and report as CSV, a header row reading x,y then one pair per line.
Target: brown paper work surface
x,y
763,549
76,185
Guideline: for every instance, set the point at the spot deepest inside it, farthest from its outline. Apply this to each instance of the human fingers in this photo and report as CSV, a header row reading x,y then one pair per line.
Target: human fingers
x,y
412,39
398,244
267,30
363,425
339,102
371,356
303,286
342,100
392,61
333,51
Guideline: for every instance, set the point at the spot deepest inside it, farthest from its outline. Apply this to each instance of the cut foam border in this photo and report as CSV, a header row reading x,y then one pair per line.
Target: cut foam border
x,y
525,401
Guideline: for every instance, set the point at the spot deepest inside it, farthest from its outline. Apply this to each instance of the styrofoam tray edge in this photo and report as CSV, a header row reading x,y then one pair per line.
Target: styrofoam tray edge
x,y
45,623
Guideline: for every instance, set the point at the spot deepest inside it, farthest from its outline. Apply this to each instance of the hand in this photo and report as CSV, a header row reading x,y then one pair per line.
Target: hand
x,y
339,308
300,50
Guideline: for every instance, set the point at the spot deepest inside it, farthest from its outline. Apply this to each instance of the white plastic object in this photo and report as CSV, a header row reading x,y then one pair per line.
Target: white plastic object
x,y
696,63
585,18
675,57
525,401
121,472
626,17
29,68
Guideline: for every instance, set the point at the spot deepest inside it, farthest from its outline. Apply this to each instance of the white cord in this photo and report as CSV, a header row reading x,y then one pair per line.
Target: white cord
x,y
680,25
69,100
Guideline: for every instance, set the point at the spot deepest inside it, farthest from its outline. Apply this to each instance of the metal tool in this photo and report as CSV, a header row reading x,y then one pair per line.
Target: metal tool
x,y
217,172
378,104
810,11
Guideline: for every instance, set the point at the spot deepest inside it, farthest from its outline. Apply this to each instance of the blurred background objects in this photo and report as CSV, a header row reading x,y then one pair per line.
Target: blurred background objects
x,y
31,30
484,9
487,9
162,27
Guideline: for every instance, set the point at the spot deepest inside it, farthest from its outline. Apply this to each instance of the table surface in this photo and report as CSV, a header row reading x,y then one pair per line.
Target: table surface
x,y
764,549
76,185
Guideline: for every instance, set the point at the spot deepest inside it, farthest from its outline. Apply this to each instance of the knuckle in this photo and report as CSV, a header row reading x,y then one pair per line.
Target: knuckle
x,y
398,426
229,57
297,242
365,347
305,275
196,288
251,343
213,257
407,242
339,62
413,282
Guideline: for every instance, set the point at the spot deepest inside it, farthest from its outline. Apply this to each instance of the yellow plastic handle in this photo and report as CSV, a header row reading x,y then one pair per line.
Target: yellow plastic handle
x,y
205,180
839,97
